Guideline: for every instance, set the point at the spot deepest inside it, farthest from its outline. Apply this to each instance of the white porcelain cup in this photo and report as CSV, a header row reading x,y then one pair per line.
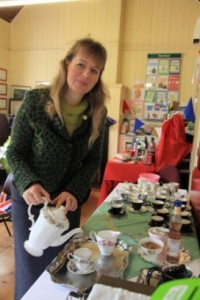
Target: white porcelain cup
x,y
81,257
105,240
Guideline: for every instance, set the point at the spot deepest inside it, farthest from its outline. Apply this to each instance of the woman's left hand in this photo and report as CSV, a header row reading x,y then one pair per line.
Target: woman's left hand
x,y
70,201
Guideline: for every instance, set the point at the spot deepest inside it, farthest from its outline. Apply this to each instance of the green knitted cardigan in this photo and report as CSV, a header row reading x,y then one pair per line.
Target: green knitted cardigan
x,y
41,150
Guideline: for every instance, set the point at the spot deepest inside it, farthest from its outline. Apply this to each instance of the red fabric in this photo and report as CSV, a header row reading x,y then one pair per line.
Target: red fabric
x,y
195,184
117,171
125,107
196,173
172,147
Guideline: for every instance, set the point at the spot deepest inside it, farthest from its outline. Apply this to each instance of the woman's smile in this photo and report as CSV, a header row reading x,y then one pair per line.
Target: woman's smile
x,y
83,73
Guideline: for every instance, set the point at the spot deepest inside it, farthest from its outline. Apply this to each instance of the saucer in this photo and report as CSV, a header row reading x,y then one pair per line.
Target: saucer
x,y
142,210
148,258
121,213
160,259
71,267
165,225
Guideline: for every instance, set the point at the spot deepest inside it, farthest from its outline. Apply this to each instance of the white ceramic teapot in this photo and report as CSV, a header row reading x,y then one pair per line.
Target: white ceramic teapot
x,y
47,230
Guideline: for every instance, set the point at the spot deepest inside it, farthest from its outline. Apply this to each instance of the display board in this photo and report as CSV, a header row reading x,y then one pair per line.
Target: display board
x,y
162,84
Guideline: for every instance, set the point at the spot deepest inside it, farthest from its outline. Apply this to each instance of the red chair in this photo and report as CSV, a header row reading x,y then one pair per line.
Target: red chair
x,y
169,173
172,147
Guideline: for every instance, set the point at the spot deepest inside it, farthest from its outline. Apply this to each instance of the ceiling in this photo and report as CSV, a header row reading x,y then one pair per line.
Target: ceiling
x,y
9,13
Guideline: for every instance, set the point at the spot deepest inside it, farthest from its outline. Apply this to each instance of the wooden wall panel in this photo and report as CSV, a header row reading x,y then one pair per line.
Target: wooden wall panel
x,y
4,35
52,29
159,26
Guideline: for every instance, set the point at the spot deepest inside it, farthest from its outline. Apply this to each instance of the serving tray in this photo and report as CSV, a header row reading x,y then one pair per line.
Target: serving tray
x,y
113,265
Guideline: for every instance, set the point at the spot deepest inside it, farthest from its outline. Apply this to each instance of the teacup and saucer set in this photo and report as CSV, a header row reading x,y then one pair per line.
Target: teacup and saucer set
x,y
80,262
117,209
150,248
158,220
136,206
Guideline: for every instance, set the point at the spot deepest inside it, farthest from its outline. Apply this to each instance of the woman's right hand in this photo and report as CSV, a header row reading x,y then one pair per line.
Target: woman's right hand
x,y
35,194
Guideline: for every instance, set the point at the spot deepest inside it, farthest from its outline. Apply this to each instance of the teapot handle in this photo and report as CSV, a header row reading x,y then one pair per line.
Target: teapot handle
x,y
31,216
93,236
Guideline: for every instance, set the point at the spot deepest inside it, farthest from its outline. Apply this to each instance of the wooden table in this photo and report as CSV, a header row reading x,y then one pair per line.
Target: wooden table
x,y
133,226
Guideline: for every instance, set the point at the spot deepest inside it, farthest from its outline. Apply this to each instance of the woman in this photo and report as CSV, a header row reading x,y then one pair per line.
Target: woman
x,y
55,149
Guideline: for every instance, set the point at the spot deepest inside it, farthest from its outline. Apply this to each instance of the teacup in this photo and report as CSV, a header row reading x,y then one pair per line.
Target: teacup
x,y
183,207
160,233
136,204
105,240
81,257
157,220
161,197
151,246
158,204
174,186
116,208
185,214
124,194
143,196
186,225
184,201
163,212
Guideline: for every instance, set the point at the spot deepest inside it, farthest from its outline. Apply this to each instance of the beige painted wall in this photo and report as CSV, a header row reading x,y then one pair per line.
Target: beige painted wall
x,y
130,29
39,36
159,26
4,43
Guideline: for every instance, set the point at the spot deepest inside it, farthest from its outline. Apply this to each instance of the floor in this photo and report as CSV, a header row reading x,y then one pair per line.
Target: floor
x,y
7,247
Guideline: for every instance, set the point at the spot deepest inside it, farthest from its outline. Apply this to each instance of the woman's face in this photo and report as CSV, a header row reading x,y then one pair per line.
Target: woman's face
x,y
83,72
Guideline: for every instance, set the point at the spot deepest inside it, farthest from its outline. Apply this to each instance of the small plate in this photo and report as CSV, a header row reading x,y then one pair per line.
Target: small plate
x,y
142,210
147,258
121,213
165,225
71,267
160,259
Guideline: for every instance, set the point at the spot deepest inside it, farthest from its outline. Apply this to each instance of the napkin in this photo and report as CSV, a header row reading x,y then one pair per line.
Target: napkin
x,y
102,292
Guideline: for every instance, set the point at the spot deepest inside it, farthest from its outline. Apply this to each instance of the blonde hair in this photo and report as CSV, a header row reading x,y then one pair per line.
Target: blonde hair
x,y
96,97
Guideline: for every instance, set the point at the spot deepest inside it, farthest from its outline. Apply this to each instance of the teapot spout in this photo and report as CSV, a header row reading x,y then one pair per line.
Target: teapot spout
x,y
63,238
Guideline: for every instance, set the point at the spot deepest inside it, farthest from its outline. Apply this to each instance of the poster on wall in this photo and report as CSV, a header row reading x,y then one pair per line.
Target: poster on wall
x,y
137,99
138,89
162,84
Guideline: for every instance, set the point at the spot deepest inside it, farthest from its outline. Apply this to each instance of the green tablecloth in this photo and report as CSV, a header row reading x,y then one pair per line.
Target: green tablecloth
x,y
133,227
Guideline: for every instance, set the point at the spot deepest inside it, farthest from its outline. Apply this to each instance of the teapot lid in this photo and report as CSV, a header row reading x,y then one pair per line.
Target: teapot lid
x,y
57,213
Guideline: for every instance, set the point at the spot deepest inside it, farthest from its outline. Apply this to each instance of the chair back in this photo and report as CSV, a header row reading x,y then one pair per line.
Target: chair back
x,y
169,173
4,129
7,184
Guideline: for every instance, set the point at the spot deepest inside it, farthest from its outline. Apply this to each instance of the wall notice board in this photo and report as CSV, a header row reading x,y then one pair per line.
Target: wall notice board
x,y
162,84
